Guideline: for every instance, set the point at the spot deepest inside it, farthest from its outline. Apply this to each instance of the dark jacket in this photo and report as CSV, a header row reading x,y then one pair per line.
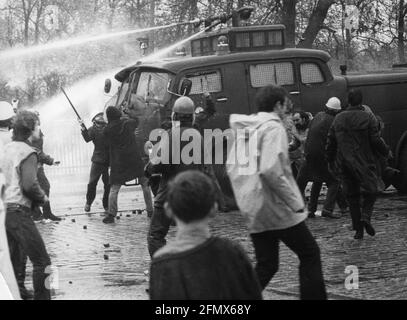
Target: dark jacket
x,y
172,168
101,151
38,146
353,142
316,142
124,156
215,270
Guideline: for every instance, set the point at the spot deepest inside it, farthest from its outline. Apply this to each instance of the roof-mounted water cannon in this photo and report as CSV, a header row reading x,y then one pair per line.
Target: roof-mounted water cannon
x,y
243,13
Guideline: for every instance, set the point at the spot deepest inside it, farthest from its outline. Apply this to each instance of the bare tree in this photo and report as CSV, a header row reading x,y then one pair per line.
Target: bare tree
x,y
316,23
401,16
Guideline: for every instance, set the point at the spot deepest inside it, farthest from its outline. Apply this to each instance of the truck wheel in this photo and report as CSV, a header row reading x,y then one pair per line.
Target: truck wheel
x,y
402,185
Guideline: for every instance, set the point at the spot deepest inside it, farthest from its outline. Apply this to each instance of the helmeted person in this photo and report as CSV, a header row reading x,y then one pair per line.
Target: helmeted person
x,y
100,160
125,159
315,167
8,284
6,117
352,144
183,116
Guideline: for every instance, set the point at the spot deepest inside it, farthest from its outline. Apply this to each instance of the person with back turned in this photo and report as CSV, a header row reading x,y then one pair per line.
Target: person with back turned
x,y
268,194
197,265
352,144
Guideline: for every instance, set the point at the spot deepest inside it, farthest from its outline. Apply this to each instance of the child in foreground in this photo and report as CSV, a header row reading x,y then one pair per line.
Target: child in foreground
x,y
196,265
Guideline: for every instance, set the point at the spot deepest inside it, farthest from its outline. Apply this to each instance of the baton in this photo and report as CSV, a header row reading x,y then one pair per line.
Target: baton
x,y
77,114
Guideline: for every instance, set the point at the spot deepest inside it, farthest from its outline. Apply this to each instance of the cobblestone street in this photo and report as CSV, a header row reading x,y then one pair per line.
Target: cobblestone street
x,y
97,261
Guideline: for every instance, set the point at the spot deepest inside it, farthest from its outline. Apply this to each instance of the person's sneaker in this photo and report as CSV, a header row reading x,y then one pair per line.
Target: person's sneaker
x,y
369,229
331,215
46,221
108,219
87,207
52,217
311,215
359,234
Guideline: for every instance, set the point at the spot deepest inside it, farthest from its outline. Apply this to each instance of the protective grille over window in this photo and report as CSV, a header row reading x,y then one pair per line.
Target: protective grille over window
x,y
243,40
206,49
275,38
310,73
196,47
272,73
259,39
208,82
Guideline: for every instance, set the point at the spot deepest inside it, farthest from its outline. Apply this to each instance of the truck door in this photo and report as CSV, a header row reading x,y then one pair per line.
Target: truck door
x,y
226,84
314,87
277,72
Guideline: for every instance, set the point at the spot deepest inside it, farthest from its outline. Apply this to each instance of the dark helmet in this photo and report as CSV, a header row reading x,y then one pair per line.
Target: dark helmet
x,y
184,105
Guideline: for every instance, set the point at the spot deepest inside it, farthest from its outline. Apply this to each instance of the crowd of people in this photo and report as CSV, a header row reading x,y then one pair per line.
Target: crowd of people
x,y
340,146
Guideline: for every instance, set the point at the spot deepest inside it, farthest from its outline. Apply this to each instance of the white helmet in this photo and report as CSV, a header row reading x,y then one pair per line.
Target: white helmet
x,y
6,111
334,104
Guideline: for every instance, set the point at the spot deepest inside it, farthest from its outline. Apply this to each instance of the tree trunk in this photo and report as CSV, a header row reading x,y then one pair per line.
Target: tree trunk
x,y
40,8
400,32
26,22
152,24
315,23
288,19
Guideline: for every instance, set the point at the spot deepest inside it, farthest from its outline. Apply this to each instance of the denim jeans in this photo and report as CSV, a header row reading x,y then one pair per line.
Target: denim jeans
x,y
334,195
45,185
114,195
360,203
300,240
313,200
148,199
159,226
25,240
96,171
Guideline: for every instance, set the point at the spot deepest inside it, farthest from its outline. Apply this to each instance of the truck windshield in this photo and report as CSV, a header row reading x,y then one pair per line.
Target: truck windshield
x,y
152,86
119,96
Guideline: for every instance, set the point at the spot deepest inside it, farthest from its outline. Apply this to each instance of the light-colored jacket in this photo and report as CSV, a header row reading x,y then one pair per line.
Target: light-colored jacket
x,y
8,284
15,153
268,196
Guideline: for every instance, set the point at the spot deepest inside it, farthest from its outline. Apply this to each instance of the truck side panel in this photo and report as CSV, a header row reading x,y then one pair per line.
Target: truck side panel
x,y
389,101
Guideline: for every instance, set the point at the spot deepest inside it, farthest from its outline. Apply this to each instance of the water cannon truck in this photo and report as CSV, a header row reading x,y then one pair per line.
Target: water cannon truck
x,y
233,63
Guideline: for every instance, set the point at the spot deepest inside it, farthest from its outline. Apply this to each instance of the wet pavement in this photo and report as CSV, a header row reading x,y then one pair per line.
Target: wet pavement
x,y
98,261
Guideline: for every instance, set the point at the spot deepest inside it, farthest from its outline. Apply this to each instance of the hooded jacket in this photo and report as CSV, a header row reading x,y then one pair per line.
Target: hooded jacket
x,y
125,158
266,191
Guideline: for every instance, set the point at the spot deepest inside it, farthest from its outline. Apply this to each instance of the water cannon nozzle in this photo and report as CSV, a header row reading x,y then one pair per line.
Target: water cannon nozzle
x,y
245,12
